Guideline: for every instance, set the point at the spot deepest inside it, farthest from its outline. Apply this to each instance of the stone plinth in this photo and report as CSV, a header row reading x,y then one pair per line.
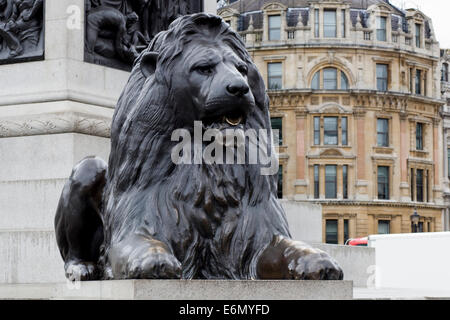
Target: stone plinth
x,y
183,290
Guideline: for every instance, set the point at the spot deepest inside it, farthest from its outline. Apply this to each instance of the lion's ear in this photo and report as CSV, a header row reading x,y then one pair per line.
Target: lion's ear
x,y
148,63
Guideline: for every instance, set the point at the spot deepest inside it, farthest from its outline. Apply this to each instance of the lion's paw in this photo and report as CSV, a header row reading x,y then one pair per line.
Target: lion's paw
x,y
81,271
317,265
155,265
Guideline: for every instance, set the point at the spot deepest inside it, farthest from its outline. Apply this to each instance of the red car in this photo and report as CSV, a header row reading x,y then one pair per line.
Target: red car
x,y
358,242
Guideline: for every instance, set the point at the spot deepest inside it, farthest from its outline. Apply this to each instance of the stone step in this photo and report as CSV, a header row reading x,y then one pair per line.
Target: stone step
x,y
182,290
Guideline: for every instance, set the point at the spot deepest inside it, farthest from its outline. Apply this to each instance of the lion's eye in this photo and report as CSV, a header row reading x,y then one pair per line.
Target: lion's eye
x,y
243,69
206,69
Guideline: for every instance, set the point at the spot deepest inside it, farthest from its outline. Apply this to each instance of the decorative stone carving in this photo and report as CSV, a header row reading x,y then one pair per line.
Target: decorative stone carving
x,y
118,30
21,30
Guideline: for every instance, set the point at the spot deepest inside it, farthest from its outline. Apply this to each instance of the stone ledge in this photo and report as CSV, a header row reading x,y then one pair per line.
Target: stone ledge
x,y
182,290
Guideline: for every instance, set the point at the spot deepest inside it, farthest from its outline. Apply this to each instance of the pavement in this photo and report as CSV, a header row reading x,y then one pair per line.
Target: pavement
x,y
400,294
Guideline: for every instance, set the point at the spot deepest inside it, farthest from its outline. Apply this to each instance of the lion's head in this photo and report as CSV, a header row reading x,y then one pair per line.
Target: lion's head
x,y
198,70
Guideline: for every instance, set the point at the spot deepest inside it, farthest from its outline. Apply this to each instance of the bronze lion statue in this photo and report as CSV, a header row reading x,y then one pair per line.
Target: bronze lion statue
x,y
142,216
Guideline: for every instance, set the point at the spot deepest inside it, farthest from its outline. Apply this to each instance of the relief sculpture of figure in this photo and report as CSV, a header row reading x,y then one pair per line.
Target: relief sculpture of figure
x,y
145,216
109,33
22,28
109,20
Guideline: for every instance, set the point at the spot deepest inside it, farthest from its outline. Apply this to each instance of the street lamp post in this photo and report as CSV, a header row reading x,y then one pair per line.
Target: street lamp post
x,y
415,220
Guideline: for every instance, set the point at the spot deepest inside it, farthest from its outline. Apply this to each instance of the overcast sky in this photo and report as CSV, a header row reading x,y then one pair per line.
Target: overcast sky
x,y
438,11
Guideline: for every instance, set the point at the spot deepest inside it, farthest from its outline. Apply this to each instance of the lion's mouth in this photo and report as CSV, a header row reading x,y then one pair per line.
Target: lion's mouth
x,y
234,118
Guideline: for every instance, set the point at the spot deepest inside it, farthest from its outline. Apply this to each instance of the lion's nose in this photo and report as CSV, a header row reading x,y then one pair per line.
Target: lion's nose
x,y
238,89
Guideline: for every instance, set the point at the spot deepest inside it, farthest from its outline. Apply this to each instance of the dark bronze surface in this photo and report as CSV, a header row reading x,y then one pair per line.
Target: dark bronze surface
x,y
162,220
21,30
118,30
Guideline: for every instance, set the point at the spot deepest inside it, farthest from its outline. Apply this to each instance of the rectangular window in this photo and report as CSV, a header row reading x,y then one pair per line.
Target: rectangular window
x,y
317,131
346,231
343,21
448,163
418,34
330,182
427,180
274,28
329,23
419,185
419,136
345,182
330,79
280,183
383,183
316,182
383,132
316,23
330,125
411,80
412,184
384,227
381,28
274,71
418,82
382,77
344,131
331,231
277,127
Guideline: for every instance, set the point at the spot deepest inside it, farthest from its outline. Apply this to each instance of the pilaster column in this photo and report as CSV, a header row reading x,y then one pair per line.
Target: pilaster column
x,y
341,230
301,146
322,181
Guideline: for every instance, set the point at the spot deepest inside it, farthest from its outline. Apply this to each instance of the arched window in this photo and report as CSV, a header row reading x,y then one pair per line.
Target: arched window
x,y
330,79
444,72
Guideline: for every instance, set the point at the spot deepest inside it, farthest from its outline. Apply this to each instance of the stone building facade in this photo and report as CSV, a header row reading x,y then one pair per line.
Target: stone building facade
x,y
355,90
445,91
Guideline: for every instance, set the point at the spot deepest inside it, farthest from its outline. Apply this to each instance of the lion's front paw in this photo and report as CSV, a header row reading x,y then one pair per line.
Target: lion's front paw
x,y
143,258
316,265
155,265
81,271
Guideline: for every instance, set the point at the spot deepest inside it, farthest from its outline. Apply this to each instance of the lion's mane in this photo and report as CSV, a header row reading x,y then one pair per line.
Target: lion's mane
x,y
217,219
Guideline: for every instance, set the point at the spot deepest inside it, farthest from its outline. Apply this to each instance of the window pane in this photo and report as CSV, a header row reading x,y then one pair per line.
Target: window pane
x,y
381,29
274,27
346,231
343,21
330,79
315,85
277,124
418,35
316,182
331,232
275,75
383,183
419,136
329,23
316,23
383,132
384,227
345,181
344,81
330,130
382,77
316,131
330,182
344,126
418,82
448,160
419,185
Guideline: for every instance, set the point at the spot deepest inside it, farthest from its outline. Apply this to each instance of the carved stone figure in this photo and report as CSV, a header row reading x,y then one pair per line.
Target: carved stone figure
x,y
107,21
143,216
21,29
